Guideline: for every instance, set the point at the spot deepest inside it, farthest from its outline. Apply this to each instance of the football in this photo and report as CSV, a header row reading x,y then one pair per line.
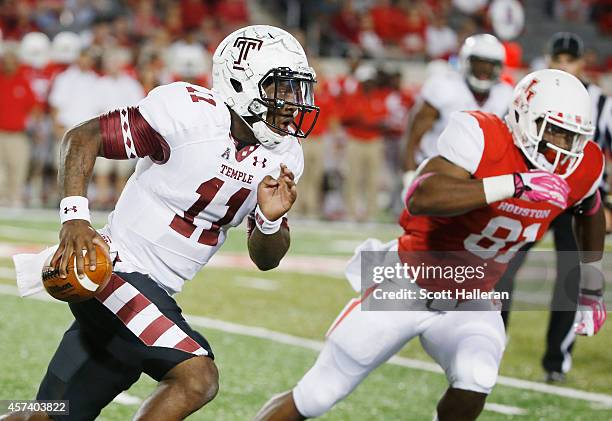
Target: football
x,y
72,289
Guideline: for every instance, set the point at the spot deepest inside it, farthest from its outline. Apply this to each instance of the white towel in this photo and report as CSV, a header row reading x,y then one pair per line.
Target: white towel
x,y
382,258
28,268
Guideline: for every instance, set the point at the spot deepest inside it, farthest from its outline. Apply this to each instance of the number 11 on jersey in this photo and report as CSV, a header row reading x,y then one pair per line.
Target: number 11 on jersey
x,y
208,190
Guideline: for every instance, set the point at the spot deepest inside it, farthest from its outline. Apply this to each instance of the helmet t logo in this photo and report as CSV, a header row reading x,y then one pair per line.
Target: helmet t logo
x,y
530,92
245,44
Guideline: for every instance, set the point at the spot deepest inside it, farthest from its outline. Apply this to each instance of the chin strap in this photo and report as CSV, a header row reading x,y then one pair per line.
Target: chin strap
x,y
480,86
260,129
266,136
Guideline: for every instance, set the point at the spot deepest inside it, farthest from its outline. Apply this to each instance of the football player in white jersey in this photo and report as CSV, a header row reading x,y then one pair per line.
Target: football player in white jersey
x,y
207,159
477,87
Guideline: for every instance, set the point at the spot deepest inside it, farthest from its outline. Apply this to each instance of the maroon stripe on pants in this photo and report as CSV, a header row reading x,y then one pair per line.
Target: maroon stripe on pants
x,y
132,308
187,345
113,284
155,329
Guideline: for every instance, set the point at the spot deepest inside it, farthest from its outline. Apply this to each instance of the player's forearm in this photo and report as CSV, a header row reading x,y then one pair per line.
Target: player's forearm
x,y
418,129
444,195
590,233
78,151
266,251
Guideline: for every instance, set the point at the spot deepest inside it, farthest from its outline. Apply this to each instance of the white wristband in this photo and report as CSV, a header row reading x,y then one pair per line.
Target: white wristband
x,y
264,224
74,207
498,188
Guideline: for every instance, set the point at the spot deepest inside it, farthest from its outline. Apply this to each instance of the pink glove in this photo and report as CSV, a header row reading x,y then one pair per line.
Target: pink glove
x,y
591,314
541,186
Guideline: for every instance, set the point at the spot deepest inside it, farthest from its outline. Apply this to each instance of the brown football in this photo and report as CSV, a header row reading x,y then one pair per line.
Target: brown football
x,y
72,289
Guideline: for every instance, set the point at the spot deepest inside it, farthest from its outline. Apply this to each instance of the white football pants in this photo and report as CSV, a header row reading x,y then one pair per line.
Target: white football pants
x,y
468,345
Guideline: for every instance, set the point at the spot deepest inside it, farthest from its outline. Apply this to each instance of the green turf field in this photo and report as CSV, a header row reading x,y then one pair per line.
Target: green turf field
x,y
301,303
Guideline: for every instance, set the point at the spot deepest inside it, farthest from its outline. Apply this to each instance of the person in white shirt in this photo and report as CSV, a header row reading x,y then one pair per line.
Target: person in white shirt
x,y
440,39
477,87
73,96
72,99
115,89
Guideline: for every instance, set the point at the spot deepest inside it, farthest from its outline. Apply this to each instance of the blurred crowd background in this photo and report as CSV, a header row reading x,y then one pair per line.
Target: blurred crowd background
x,y
65,61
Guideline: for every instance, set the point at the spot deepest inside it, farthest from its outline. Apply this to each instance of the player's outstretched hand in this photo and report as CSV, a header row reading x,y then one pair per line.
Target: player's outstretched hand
x,y
541,186
77,234
276,196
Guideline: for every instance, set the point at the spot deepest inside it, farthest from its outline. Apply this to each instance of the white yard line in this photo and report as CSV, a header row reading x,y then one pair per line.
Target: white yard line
x,y
125,399
256,283
263,333
504,409
29,234
267,334
308,265
7,273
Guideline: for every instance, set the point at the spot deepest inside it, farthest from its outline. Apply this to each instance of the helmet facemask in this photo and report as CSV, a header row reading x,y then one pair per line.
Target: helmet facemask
x,y
285,97
546,155
474,69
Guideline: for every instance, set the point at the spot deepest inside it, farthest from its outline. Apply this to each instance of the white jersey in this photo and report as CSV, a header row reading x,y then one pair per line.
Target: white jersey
x,y
448,92
173,214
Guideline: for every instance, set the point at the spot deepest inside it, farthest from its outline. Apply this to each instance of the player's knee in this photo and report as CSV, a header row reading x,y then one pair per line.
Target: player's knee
x,y
323,386
199,382
312,402
476,365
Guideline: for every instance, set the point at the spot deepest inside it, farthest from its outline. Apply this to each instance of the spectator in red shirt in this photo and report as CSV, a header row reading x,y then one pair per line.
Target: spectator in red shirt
x,y
16,102
389,21
233,13
192,13
346,22
414,29
319,141
145,22
363,118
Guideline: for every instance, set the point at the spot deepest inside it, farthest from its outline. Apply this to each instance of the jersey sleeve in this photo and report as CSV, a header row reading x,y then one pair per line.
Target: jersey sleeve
x,y
127,135
435,92
462,141
181,112
169,116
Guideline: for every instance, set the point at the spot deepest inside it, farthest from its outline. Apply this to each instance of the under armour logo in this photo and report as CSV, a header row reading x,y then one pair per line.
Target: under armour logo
x,y
72,209
245,45
226,154
256,161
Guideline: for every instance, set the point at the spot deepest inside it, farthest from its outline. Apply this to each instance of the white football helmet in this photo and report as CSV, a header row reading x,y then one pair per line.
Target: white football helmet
x,y
253,58
189,61
65,47
34,49
559,99
483,47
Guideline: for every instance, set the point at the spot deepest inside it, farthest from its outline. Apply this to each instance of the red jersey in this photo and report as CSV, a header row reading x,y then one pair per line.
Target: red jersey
x,y
489,236
16,102
40,81
364,114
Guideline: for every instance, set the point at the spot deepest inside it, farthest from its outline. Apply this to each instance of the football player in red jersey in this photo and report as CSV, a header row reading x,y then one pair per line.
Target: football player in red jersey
x,y
495,186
